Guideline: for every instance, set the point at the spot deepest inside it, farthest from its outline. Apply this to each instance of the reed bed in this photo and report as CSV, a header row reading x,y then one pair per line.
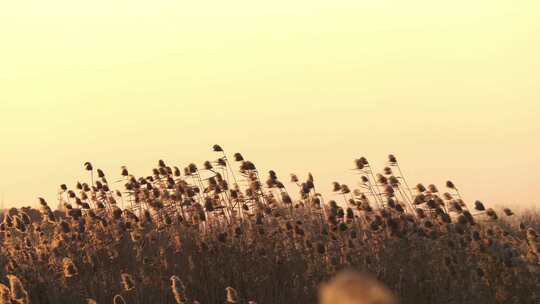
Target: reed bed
x,y
224,232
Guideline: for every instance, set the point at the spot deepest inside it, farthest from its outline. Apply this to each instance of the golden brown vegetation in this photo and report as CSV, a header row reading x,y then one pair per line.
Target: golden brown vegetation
x,y
215,234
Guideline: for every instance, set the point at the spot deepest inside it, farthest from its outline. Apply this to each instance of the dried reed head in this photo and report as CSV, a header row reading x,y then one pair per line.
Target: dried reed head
x,y
238,157
19,224
508,212
192,168
247,166
124,171
359,164
18,293
221,162
433,189
286,198
5,294
88,166
127,282
479,206
491,214
42,201
118,299
232,295
178,290
69,268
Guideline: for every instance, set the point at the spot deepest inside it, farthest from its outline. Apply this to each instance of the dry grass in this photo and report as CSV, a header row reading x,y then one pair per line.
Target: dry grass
x,y
216,234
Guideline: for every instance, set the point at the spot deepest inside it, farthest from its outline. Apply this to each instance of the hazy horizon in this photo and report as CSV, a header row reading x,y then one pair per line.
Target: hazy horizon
x,y
450,88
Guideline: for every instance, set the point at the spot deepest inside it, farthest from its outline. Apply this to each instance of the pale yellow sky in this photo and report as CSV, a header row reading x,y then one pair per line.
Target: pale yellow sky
x,y
451,87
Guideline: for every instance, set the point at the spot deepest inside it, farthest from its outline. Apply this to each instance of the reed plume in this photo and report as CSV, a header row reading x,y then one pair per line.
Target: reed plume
x,y
18,292
127,282
178,289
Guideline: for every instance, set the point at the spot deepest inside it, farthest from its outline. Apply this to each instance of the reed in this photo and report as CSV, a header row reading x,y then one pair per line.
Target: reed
x,y
186,236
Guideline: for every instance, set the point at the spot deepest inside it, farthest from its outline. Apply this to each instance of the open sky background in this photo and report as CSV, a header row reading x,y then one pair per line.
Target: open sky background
x,y
451,87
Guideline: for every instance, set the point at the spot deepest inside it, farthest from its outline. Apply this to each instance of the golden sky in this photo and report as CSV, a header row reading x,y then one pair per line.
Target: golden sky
x,y
451,87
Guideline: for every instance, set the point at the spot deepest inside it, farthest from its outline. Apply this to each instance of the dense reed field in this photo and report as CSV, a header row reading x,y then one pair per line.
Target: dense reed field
x,y
226,233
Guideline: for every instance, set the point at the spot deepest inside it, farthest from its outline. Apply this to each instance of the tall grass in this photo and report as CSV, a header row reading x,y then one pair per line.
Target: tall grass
x,y
224,233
